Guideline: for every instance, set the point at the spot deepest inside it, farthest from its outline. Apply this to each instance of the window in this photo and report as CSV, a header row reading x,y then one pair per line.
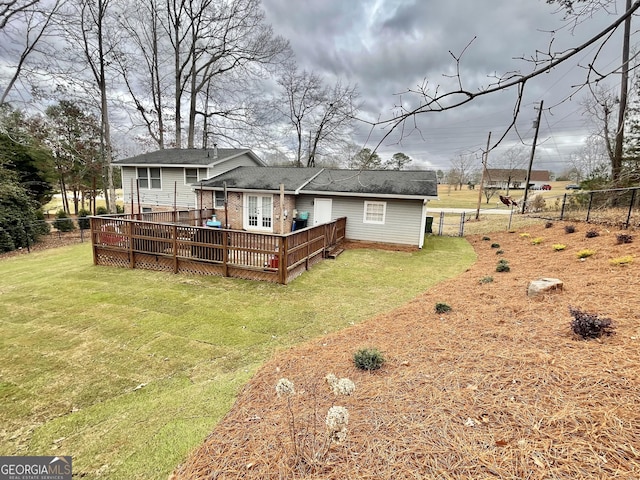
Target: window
x,y
219,200
194,175
374,212
149,177
258,212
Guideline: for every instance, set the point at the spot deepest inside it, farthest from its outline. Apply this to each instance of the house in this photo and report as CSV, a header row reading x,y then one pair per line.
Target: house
x,y
164,179
386,206
504,178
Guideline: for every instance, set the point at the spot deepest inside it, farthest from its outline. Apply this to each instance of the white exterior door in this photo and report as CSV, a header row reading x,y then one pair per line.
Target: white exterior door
x,y
321,210
258,212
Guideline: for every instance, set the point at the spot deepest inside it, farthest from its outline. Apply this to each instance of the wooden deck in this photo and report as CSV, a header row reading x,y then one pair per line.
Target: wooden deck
x,y
185,247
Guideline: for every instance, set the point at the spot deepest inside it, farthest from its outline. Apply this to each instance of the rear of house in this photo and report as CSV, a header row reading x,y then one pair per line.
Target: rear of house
x,y
380,205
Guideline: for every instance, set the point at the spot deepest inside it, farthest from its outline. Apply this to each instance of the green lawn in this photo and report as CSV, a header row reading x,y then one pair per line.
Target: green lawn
x,y
128,370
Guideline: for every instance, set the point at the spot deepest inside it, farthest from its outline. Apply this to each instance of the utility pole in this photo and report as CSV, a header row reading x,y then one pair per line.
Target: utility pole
x,y
485,154
616,167
533,151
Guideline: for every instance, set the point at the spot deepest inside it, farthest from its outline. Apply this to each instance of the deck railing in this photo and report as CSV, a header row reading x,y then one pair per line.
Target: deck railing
x,y
186,247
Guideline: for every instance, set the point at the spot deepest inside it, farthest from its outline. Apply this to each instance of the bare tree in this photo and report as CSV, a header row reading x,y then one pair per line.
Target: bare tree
x,y
23,35
591,160
320,115
12,8
463,167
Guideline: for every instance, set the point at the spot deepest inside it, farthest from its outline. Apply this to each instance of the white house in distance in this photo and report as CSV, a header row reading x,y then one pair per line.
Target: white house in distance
x,y
504,178
165,179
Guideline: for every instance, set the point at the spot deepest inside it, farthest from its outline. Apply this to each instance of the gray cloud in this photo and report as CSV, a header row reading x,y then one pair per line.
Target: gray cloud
x,y
389,46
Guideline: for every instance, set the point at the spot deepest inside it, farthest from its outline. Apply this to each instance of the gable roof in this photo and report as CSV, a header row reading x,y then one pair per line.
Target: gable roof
x,y
315,180
178,157
516,175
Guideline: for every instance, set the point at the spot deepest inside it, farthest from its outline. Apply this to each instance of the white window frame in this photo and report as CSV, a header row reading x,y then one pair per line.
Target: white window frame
x,y
148,179
366,218
201,174
261,216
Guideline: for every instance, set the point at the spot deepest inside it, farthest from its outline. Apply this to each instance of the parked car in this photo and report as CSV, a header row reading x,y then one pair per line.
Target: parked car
x,y
572,186
545,187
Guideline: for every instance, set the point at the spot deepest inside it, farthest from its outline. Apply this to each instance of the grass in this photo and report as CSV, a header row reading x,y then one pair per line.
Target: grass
x,y
465,198
128,370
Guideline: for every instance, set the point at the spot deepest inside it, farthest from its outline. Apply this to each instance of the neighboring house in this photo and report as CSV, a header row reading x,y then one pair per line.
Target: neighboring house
x,y
504,178
387,206
164,179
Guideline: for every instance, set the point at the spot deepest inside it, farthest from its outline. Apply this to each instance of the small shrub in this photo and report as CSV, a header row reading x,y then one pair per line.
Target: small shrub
x,y
592,234
499,252
537,203
537,241
63,223
119,208
621,260
503,266
559,246
589,325
495,245
486,280
623,238
569,228
368,359
585,253
486,238
83,222
548,225
102,211
525,235
442,308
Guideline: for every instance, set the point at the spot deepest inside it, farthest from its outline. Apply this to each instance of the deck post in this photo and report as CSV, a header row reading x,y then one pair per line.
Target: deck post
x,y
175,249
306,257
225,253
132,261
282,254
93,240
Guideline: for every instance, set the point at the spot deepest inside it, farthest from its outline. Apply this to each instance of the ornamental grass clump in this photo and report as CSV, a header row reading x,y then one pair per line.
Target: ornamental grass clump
x,y
627,259
590,325
584,253
368,359
537,241
525,235
559,247
486,280
569,228
548,225
495,245
592,234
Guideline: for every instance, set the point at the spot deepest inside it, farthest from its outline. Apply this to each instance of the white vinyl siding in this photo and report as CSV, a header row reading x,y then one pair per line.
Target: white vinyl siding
x,y
403,219
374,212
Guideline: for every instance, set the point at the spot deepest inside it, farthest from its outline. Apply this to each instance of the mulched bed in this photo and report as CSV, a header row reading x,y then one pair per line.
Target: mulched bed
x,y
499,387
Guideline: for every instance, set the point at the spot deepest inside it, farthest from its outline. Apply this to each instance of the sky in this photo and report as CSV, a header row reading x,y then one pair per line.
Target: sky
x,y
387,47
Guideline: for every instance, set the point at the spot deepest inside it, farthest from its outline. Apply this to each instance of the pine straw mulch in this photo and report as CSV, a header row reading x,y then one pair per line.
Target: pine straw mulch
x,y
497,388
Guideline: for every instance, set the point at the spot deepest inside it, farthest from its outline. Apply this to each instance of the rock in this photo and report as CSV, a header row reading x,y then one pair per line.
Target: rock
x,y
543,285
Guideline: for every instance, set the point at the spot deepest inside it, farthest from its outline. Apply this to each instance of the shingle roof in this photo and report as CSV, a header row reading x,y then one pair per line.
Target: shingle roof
x,y
263,178
186,156
413,183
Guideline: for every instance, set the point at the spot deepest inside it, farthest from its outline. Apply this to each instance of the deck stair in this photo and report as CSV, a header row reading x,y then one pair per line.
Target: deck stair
x,y
334,252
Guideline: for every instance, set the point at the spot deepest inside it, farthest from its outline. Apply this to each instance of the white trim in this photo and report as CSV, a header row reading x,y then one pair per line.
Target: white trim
x,y
149,183
423,225
313,177
368,194
260,218
375,222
